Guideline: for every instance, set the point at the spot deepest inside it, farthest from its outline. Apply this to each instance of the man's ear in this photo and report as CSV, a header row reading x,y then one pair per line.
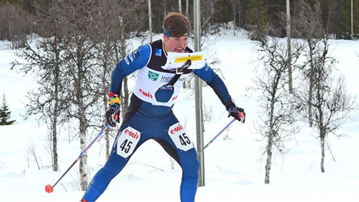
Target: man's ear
x,y
165,37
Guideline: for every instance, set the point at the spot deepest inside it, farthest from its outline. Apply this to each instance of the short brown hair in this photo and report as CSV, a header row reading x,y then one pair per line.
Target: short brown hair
x,y
176,25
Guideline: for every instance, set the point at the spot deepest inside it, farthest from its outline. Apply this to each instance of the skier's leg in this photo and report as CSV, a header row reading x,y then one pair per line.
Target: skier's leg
x,y
177,144
190,166
102,178
126,143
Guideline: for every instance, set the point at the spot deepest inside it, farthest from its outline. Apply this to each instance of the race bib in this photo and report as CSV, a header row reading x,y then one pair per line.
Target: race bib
x,y
127,141
179,137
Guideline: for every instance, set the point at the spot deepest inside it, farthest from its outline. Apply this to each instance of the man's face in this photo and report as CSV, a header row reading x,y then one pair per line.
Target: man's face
x,y
175,44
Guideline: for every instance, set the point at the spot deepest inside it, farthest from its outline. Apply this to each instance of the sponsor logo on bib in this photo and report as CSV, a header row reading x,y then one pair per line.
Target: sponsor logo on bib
x,y
153,76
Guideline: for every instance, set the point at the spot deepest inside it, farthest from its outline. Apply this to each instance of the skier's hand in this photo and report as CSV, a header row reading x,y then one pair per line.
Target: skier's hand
x,y
238,113
113,112
234,111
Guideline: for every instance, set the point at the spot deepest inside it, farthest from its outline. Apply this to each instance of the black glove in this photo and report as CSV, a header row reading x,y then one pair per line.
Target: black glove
x,y
113,112
238,113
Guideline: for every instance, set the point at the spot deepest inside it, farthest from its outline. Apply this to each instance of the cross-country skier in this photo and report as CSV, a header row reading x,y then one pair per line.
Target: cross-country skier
x,y
150,115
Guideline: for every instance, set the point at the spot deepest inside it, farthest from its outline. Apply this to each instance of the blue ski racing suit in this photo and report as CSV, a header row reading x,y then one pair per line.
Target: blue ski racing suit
x,y
150,116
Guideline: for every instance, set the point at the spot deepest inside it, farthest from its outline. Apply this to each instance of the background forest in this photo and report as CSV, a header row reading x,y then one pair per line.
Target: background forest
x,y
18,17
72,47
234,162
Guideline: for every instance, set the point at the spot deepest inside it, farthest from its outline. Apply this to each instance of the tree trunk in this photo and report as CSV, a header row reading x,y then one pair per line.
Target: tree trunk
x,y
268,166
290,80
164,9
322,146
150,19
125,95
187,5
82,120
234,19
57,83
83,159
55,166
179,6
272,132
311,83
107,138
310,99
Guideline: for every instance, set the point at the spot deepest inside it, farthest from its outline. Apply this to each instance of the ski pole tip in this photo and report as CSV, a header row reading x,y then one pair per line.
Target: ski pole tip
x,y
49,188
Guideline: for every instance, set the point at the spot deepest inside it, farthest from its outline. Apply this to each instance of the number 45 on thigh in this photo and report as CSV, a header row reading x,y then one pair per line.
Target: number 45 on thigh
x,y
179,137
127,141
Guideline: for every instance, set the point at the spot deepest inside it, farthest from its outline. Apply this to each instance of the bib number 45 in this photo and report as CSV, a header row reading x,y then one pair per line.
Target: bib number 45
x,y
184,139
179,137
126,146
127,141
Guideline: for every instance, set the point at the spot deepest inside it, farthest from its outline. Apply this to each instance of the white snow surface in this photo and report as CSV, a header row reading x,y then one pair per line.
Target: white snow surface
x,y
234,167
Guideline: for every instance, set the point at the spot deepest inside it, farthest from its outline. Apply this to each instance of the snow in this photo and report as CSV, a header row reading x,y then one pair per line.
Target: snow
x,y
234,166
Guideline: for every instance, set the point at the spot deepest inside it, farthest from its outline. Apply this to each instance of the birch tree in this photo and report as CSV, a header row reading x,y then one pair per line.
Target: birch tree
x,y
47,102
307,24
331,105
79,21
325,102
277,122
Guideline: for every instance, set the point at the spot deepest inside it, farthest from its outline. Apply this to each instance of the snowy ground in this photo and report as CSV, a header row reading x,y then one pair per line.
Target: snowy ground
x,y
234,167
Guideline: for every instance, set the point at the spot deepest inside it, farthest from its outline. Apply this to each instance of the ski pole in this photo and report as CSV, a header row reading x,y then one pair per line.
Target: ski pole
x,y
215,137
50,188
